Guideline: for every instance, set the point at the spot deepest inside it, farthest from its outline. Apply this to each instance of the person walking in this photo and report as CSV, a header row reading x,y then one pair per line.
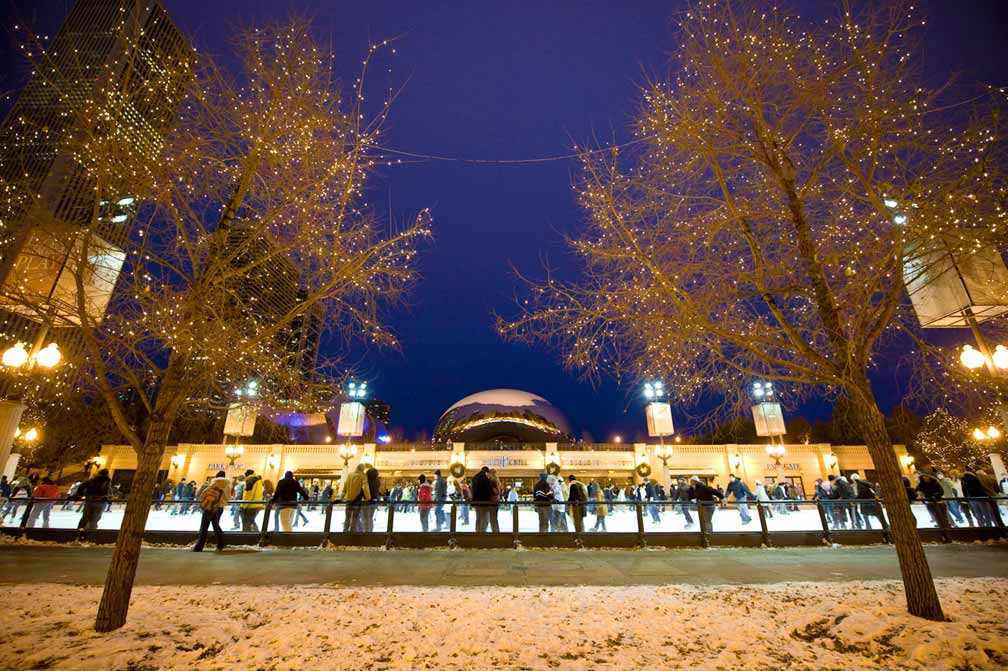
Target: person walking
x,y
94,492
212,503
44,495
705,496
285,498
577,502
356,493
252,502
738,489
424,495
543,497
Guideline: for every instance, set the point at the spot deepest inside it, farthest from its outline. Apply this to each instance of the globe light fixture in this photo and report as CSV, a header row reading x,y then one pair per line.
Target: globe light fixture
x,y
1000,357
15,356
776,452
972,358
49,356
31,435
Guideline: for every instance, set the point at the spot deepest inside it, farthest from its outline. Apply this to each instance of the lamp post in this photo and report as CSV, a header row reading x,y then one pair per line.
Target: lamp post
x,y
346,453
777,452
19,360
664,452
233,453
995,361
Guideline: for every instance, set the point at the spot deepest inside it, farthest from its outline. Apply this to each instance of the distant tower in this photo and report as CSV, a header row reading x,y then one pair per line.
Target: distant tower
x,y
380,410
127,59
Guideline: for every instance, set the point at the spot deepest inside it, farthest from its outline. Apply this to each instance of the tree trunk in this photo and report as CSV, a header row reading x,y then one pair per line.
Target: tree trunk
x,y
921,596
119,579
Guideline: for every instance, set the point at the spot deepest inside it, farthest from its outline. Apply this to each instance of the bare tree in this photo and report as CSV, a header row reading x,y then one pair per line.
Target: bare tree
x,y
749,231
254,221
945,441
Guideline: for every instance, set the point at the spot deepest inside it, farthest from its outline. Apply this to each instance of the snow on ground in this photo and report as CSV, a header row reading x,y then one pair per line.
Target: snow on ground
x,y
842,626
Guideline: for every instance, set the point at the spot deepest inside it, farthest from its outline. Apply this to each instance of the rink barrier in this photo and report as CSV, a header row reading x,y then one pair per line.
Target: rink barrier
x,y
452,537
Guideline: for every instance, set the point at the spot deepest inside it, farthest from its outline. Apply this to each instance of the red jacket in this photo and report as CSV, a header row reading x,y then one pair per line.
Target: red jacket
x,y
46,492
424,496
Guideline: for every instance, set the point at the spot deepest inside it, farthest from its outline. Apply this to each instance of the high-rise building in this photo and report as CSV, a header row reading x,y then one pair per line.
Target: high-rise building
x,y
380,410
114,75
267,290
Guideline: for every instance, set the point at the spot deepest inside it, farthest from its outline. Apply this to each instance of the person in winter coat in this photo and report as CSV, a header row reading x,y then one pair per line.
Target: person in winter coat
x,y
483,496
705,498
840,492
779,493
931,491
559,516
440,494
682,494
371,507
651,496
495,497
252,501
212,503
867,506
543,497
356,492
424,495
974,488
285,498
949,494
738,489
45,490
94,491
763,497
601,510
577,502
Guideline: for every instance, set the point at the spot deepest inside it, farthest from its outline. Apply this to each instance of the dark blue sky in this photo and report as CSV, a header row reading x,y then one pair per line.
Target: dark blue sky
x,y
506,80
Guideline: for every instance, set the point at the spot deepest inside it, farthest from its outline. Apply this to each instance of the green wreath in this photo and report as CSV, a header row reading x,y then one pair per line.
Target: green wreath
x,y
553,468
457,469
643,469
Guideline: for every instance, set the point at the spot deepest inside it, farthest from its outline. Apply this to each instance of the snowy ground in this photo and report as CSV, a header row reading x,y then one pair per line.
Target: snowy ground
x,y
841,626
622,519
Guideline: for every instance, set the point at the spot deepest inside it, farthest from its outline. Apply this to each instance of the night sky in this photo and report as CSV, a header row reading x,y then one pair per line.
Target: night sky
x,y
510,80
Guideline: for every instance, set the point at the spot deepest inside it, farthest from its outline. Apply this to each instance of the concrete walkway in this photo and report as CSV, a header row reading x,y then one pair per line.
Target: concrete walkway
x,y
177,566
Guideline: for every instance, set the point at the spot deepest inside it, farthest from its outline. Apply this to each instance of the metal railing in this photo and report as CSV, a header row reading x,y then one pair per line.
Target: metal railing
x,y
447,521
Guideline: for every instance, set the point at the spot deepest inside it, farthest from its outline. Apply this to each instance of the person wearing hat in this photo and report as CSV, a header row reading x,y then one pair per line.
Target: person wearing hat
x,y
705,496
285,498
252,501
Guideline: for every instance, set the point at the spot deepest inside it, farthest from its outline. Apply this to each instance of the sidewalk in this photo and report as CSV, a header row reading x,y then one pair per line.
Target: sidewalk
x,y
178,566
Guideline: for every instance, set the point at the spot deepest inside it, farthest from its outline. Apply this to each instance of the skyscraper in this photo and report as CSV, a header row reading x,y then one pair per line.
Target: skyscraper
x,y
72,149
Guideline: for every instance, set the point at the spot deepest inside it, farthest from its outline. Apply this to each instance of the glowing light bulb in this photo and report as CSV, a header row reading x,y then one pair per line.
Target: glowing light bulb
x,y
49,357
15,356
1000,357
970,357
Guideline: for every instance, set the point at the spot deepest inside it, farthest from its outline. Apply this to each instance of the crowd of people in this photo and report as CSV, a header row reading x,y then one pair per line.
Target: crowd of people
x,y
562,504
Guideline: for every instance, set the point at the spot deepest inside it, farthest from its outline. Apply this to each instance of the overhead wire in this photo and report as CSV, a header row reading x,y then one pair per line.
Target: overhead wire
x,y
509,161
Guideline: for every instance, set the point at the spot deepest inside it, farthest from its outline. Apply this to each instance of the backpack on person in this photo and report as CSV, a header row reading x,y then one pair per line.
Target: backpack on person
x,y
211,497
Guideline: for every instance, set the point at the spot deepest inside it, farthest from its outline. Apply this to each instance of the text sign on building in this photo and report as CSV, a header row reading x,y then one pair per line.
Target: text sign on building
x,y
240,420
786,467
351,419
769,419
659,419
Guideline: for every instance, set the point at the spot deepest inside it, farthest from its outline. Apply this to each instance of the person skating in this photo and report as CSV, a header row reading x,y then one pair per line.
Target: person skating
x,y
931,491
682,496
356,493
424,495
558,517
705,496
763,498
867,506
543,497
285,498
252,501
601,510
841,491
440,494
738,489
577,502
94,492
212,503
44,495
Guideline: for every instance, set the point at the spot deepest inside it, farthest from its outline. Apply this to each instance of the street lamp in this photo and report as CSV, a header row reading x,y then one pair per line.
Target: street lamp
x,y
664,452
991,433
233,453
654,390
357,391
17,356
777,452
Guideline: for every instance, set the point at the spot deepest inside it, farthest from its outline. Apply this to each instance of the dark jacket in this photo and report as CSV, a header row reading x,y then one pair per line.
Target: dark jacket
x,y
738,489
95,489
681,493
373,483
542,492
482,488
972,487
702,492
286,493
841,489
864,490
440,489
929,488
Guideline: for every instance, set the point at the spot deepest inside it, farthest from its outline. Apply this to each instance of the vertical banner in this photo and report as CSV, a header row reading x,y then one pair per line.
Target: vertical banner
x,y
659,419
351,419
769,419
240,420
